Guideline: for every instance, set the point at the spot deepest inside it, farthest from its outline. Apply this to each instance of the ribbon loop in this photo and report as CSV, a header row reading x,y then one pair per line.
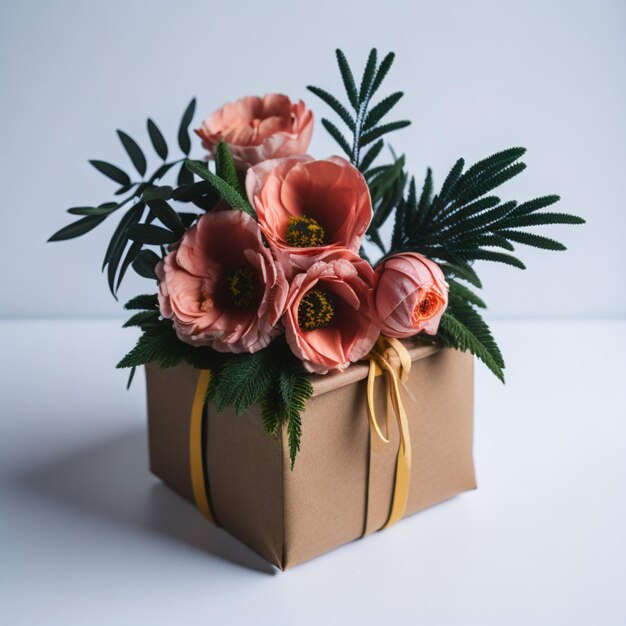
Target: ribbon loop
x,y
384,350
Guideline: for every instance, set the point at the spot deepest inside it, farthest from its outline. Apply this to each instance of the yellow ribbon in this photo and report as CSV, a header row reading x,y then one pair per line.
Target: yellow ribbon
x,y
196,463
379,366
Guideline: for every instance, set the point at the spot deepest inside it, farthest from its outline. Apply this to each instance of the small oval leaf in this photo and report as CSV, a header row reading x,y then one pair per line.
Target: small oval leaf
x,y
86,210
157,193
145,262
133,151
151,234
111,171
167,216
78,228
157,139
183,132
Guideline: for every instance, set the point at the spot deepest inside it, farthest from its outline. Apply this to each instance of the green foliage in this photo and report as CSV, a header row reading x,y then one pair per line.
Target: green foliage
x,y
363,123
272,378
365,127
464,329
158,141
143,302
134,152
148,201
183,131
227,192
80,227
463,223
226,170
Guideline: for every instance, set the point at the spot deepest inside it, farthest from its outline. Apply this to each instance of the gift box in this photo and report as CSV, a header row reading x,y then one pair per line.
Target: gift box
x,y
343,483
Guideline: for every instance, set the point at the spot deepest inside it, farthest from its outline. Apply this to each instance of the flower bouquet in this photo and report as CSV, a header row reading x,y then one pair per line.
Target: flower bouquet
x,y
266,304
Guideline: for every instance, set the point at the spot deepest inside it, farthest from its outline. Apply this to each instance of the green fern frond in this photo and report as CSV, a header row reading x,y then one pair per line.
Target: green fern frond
x,y
336,134
530,239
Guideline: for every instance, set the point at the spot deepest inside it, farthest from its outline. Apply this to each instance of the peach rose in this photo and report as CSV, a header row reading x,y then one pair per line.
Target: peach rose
x,y
221,286
329,318
306,207
257,129
411,295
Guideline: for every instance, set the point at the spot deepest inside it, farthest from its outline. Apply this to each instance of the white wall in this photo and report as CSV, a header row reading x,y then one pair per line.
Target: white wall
x,y
478,76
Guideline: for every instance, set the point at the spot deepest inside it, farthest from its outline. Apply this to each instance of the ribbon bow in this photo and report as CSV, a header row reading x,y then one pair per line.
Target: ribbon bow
x,y
379,357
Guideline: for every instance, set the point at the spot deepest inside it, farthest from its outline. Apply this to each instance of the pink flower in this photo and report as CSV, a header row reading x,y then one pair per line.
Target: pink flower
x,y
411,295
221,286
306,207
329,319
257,129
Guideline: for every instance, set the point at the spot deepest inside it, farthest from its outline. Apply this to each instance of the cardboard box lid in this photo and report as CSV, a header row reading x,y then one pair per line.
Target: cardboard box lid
x,y
358,371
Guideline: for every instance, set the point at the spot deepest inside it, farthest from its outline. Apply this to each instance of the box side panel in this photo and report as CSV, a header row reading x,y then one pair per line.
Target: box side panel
x,y
340,488
244,464
245,475
170,397
326,494
442,428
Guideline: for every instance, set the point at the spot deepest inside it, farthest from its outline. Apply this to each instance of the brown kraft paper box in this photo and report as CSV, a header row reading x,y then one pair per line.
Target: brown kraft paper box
x,y
341,487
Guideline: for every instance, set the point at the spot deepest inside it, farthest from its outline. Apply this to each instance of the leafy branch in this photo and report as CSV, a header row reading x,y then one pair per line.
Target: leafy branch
x,y
364,123
273,377
148,201
367,127
465,223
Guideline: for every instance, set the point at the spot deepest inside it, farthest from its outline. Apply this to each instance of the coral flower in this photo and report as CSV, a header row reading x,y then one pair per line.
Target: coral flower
x,y
329,319
411,295
306,207
221,286
257,129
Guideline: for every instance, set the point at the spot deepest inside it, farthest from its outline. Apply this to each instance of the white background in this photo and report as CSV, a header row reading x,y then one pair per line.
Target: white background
x,y
478,76
87,536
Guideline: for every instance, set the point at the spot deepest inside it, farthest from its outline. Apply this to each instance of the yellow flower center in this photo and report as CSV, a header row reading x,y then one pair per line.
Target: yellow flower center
x,y
241,285
316,310
304,232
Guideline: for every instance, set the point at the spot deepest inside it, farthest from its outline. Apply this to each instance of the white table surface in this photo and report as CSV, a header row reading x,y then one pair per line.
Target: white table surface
x,y
88,536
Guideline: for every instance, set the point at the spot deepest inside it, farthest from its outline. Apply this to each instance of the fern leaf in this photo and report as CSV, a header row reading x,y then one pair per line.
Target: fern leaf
x,y
398,227
371,155
379,131
368,76
383,69
482,186
451,180
495,162
163,348
335,133
541,219
271,408
244,380
458,290
335,105
144,302
465,330
348,79
498,257
295,390
462,270
141,318
538,203
381,109
530,239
